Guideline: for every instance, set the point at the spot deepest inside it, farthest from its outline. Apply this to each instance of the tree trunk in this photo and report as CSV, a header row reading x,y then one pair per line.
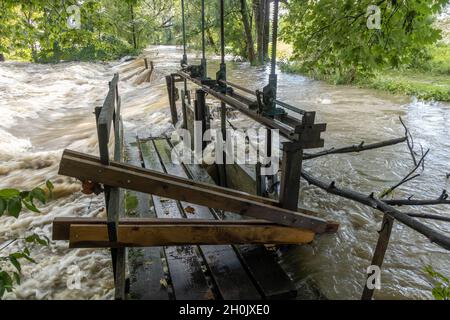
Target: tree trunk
x,y
248,32
259,10
133,27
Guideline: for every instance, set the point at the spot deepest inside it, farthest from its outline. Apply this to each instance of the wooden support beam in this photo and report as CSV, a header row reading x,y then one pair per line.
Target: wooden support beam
x,y
61,226
172,98
93,233
149,181
210,186
201,115
290,175
184,106
107,115
380,250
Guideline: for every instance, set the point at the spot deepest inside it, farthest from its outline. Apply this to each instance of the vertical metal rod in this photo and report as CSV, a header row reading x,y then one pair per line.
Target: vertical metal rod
x,y
222,31
223,106
184,45
203,61
273,79
274,37
184,32
223,70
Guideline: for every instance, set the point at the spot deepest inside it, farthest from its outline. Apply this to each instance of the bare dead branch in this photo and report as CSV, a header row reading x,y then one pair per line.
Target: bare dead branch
x,y
355,148
443,199
429,216
407,178
373,202
409,141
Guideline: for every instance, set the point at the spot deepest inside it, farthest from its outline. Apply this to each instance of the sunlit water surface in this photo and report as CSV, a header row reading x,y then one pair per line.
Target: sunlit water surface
x,y
47,108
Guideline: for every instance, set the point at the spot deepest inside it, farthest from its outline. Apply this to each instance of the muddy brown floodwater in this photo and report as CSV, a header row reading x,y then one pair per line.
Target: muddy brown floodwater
x,y
46,108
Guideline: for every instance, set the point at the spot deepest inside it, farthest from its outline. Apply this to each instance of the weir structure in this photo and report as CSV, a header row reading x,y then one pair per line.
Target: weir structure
x,y
189,231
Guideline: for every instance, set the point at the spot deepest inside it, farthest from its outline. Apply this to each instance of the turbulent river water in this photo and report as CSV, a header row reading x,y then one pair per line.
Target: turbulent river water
x,y
46,108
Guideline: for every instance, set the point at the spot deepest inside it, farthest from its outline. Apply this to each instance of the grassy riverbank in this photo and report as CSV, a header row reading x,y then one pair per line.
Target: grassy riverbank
x,y
429,80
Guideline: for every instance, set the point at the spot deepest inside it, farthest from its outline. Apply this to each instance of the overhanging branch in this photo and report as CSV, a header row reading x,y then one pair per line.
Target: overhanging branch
x,y
355,148
371,201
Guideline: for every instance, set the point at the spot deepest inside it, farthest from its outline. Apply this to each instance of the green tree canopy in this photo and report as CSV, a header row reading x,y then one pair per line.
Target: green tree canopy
x,y
340,37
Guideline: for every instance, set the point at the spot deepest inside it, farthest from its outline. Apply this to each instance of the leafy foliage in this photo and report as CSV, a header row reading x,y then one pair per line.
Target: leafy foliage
x,y
441,290
331,37
41,30
38,30
12,202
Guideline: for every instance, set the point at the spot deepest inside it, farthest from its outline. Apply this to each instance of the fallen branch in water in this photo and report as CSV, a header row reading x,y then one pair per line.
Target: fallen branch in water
x,y
409,141
407,178
355,148
429,216
443,199
371,201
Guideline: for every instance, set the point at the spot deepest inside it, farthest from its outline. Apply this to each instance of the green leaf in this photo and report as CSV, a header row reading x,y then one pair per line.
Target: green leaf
x,y
3,206
14,206
30,206
25,194
6,283
38,193
17,277
9,193
34,238
49,185
15,263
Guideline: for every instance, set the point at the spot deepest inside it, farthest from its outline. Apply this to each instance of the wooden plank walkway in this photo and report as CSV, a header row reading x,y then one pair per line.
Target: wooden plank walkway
x,y
146,264
195,272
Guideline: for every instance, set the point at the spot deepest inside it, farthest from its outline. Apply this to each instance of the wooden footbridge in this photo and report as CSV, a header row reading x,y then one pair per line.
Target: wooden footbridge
x,y
175,230
198,231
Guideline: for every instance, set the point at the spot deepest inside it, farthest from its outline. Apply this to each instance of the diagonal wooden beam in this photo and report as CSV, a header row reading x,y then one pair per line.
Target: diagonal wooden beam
x,y
147,181
209,186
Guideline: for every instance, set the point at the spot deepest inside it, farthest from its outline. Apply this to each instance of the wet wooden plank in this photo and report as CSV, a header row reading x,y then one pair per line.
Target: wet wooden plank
x,y
185,268
210,185
272,280
145,264
213,233
73,164
231,278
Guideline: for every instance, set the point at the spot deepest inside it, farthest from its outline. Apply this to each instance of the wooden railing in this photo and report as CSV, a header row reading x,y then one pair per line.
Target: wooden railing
x,y
108,120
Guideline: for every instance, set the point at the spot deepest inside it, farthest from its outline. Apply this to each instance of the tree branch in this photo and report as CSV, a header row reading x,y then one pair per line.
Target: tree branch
x,y
354,148
443,199
371,201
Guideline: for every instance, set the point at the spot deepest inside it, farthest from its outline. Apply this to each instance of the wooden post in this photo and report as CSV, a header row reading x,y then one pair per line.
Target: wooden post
x,y
183,108
290,175
259,180
172,103
223,128
201,113
146,63
110,113
380,251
